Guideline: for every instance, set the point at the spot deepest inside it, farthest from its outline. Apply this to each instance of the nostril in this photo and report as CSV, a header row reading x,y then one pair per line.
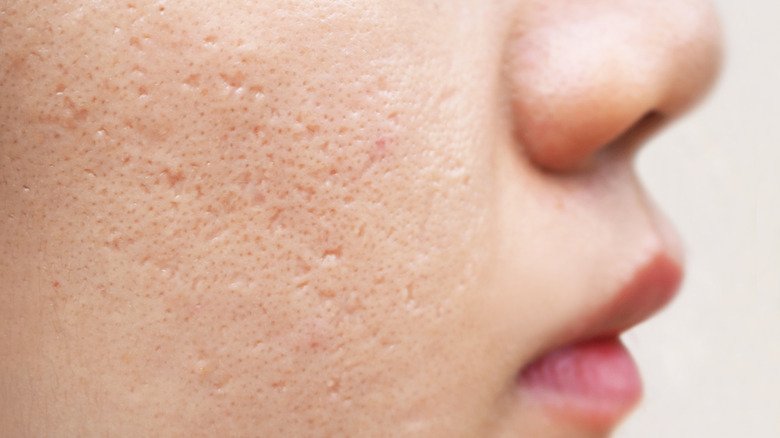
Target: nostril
x,y
573,158
627,143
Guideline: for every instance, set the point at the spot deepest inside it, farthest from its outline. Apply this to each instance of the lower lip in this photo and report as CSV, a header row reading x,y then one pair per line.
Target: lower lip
x,y
595,382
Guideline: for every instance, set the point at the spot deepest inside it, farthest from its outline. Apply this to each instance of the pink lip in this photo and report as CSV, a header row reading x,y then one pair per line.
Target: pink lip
x,y
593,382
650,289
592,379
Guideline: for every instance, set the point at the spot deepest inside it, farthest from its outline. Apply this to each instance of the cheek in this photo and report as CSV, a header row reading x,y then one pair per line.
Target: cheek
x,y
332,222
275,215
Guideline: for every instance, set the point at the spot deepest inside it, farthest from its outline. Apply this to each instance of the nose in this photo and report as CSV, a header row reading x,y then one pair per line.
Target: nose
x,y
583,74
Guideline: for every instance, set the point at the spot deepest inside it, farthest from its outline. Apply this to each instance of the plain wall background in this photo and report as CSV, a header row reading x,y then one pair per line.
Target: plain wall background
x,y
711,362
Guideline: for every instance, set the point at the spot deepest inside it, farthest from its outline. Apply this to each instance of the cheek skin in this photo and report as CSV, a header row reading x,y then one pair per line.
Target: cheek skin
x,y
243,230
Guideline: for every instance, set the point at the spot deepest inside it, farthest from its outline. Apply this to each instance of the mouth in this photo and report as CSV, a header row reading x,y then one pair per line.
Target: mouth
x,y
591,379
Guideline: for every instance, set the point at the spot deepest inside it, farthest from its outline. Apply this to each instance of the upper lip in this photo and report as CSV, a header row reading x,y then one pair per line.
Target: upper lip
x,y
650,287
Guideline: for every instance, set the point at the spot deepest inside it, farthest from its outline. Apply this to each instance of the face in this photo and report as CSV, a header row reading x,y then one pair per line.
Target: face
x,y
314,218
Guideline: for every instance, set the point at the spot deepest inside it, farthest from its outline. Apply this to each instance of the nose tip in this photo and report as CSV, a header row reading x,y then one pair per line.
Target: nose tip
x,y
584,73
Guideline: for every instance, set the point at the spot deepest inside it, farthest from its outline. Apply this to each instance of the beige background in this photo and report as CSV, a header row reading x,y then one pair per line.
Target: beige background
x,y
711,362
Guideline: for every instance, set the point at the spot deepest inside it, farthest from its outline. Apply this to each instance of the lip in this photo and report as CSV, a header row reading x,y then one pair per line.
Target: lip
x,y
590,378
650,288
594,383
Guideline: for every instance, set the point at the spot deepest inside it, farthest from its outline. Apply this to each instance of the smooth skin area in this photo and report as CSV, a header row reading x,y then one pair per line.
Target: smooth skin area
x,y
321,218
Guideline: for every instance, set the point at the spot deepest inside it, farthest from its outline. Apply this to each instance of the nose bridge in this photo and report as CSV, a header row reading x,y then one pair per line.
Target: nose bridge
x,y
583,73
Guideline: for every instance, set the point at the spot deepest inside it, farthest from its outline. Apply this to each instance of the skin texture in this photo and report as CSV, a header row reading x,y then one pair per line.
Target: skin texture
x,y
319,218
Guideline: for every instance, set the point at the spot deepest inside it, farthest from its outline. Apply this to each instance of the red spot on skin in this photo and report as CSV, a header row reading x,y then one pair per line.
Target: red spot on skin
x,y
234,79
259,198
192,80
55,284
245,178
380,150
174,177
